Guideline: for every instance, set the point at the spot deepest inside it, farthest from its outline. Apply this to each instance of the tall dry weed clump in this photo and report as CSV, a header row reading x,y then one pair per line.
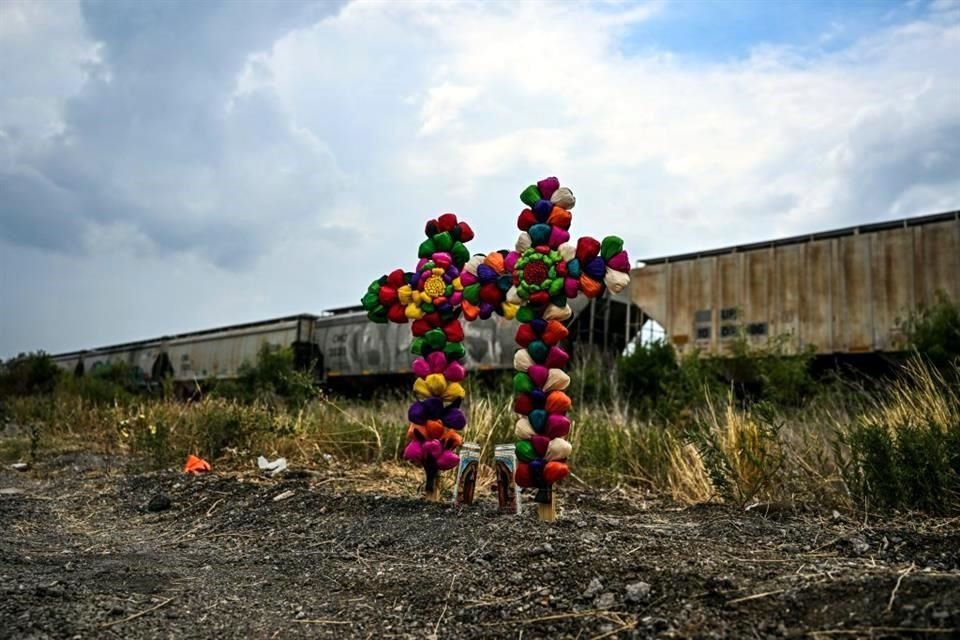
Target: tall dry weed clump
x,y
903,452
740,449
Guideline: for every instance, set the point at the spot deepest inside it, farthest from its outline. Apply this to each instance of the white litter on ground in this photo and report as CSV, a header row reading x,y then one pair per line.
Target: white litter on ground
x,y
273,467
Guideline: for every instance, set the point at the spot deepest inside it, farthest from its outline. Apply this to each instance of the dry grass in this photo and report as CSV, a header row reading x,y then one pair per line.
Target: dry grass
x,y
610,445
687,477
923,396
721,450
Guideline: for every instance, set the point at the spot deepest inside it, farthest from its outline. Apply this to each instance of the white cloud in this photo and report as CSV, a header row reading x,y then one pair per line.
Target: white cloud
x,y
525,89
47,57
443,106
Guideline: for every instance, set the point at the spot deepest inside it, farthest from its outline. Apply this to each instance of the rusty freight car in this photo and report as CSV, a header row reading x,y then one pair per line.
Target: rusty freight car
x,y
840,291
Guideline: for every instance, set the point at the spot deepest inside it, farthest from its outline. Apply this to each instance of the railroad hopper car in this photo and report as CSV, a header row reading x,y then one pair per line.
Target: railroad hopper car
x,y
845,291
198,355
339,344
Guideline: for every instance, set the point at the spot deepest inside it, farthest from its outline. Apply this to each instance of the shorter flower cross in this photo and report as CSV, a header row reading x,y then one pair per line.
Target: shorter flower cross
x,y
446,284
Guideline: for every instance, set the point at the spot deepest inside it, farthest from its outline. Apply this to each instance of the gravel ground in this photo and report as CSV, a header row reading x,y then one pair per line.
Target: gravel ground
x,y
355,554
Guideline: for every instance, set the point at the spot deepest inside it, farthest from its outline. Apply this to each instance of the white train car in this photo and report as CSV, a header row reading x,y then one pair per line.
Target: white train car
x,y
220,353
198,355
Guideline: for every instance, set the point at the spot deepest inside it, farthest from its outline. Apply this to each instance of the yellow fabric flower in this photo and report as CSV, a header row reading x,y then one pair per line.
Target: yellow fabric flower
x,y
414,312
435,385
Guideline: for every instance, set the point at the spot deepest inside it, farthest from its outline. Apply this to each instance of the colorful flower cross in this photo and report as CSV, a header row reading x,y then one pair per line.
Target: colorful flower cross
x,y
446,284
548,272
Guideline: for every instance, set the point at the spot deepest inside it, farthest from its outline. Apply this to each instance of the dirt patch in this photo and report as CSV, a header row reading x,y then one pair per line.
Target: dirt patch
x,y
356,554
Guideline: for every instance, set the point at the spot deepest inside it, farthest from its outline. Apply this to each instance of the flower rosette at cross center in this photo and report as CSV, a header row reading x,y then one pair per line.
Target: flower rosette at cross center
x,y
431,297
548,272
486,281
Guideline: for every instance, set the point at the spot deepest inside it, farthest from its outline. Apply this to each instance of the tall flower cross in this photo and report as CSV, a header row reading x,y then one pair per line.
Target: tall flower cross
x,y
445,285
548,272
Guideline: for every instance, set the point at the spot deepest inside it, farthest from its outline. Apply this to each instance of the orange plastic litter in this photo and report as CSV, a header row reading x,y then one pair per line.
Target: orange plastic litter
x,y
196,465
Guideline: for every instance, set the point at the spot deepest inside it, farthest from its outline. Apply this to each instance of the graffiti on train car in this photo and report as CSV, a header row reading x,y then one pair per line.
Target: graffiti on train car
x,y
355,347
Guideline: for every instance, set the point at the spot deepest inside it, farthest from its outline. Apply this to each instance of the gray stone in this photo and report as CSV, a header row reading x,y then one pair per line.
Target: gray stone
x,y
638,592
594,588
605,600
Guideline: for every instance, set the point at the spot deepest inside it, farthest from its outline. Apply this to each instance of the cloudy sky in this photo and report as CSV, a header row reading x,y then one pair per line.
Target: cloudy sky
x,y
168,166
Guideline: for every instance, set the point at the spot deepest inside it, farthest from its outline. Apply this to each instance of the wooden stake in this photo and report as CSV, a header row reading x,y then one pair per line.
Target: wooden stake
x,y
548,512
432,490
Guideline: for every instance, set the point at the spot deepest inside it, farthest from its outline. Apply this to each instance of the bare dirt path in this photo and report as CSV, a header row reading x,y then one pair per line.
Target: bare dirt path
x,y
346,556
